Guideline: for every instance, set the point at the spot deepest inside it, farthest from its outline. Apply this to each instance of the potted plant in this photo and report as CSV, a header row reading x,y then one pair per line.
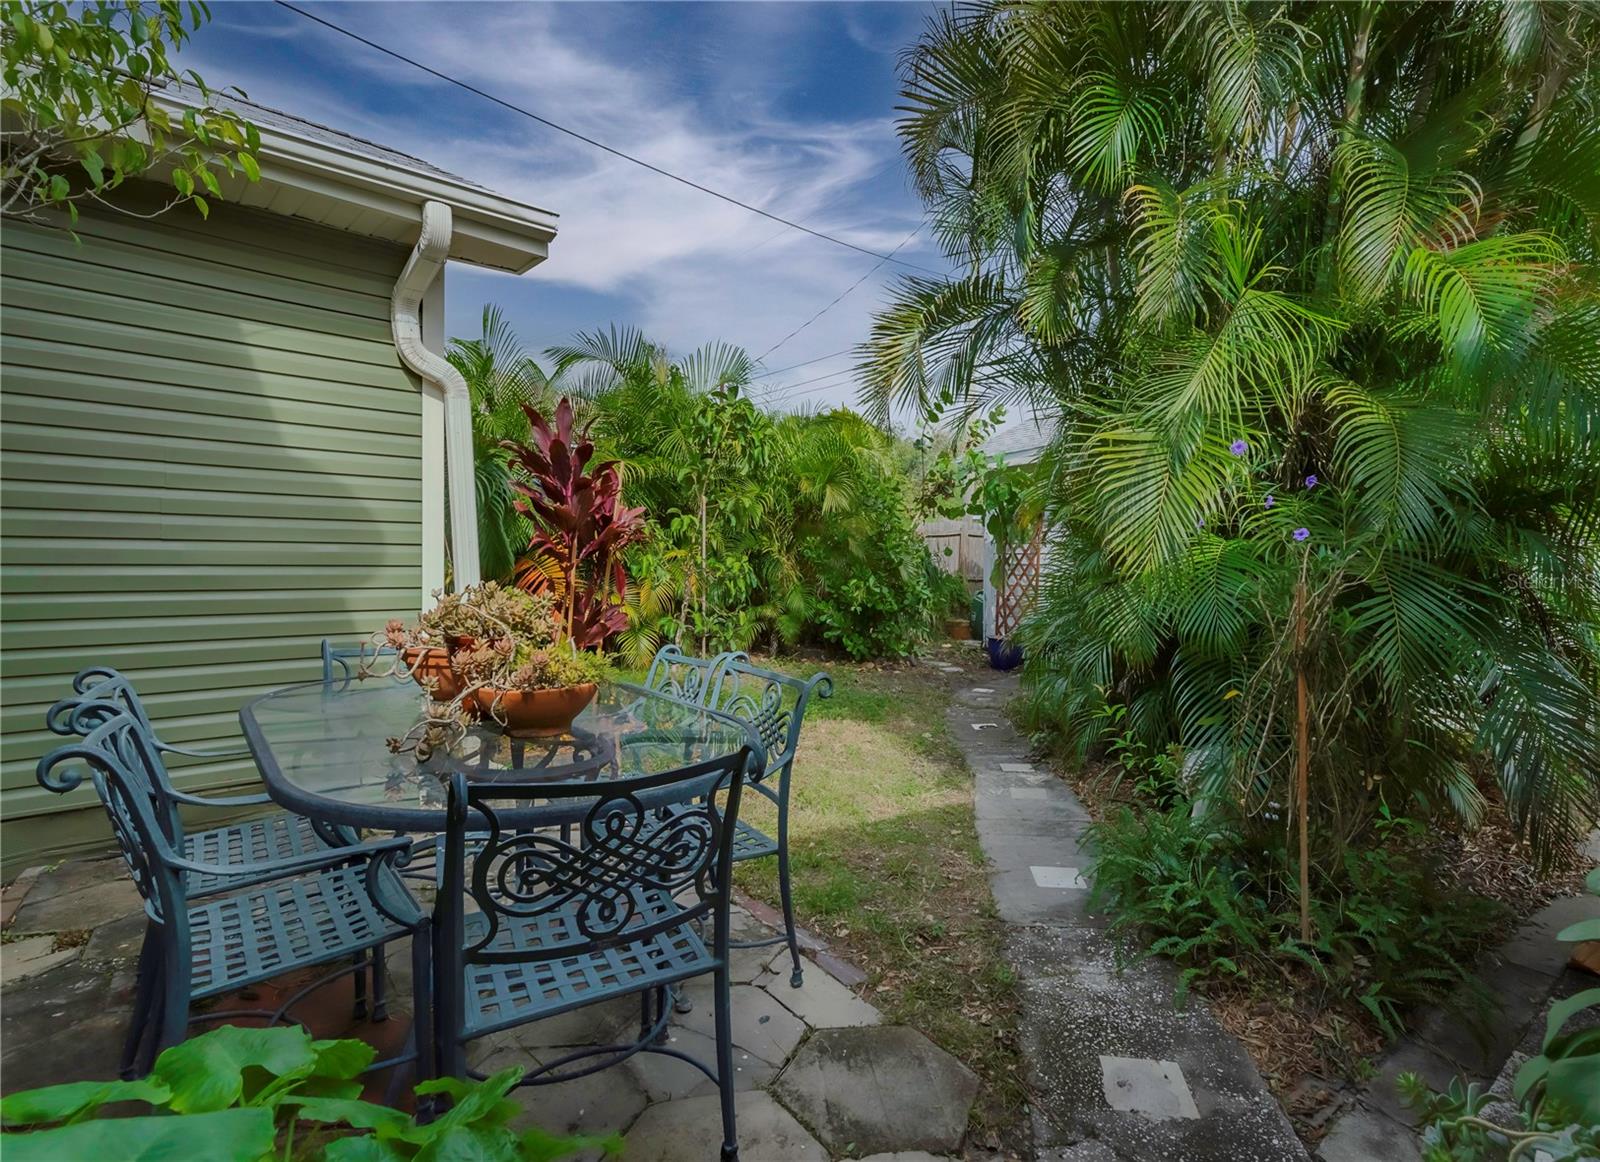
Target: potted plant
x,y
530,657
522,670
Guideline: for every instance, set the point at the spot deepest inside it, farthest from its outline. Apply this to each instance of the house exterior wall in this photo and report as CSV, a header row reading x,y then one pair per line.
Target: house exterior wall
x,y
210,459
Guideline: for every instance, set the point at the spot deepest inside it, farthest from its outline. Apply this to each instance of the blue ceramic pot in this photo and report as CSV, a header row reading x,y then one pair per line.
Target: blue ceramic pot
x,y
1002,654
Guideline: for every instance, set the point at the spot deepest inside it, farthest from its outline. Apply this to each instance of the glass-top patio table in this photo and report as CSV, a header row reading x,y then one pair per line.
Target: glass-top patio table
x,y
323,751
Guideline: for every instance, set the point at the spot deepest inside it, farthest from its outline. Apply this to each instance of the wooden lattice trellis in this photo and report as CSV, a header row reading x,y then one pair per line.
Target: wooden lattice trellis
x,y
1019,582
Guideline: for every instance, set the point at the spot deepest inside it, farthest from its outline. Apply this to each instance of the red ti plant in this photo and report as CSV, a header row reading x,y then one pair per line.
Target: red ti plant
x,y
580,525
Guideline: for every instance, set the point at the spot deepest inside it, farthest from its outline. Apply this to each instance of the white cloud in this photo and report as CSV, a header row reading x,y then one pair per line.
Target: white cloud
x,y
685,266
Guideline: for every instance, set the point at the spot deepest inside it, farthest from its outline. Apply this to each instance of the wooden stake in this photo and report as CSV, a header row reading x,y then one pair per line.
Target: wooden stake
x,y
1302,755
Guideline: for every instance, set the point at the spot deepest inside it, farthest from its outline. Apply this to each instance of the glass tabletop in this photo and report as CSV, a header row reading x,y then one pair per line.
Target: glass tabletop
x,y
328,750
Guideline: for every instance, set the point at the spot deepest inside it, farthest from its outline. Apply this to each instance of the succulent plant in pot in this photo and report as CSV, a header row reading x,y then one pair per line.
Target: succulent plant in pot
x,y
523,672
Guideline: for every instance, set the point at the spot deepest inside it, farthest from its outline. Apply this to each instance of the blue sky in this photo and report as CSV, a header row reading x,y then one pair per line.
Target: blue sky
x,y
786,106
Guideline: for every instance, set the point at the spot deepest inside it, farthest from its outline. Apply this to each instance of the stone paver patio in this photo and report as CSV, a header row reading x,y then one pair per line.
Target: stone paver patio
x,y
820,1075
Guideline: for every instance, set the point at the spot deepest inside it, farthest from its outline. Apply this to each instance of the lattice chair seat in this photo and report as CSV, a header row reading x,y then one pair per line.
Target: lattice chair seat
x,y
502,995
749,841
258,841
311,919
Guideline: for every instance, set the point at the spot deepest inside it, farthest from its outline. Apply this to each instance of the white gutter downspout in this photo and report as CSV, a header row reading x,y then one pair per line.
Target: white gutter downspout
x,y
426,264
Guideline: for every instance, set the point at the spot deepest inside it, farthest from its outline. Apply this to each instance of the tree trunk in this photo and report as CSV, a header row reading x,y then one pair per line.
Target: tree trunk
x,y
1302,756
702,572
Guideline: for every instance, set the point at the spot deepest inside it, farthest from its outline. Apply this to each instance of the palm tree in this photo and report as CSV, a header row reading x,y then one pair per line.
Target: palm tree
x,y
1312,292
501,378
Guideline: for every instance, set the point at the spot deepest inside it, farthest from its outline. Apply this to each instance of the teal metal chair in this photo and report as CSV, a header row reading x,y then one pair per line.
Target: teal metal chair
x,y
278,835
685,676
534,923
215,928
775,706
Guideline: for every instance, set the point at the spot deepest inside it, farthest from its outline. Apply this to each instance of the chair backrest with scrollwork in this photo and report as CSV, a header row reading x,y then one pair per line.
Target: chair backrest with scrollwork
x,y
102,694
773,704
124,765
618,875
96,690
685,676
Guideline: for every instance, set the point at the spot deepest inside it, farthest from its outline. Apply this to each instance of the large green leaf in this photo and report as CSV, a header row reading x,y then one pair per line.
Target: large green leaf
x,y
1582,930
208,1072
1563,1011
1575,1083
60,1103
244,1135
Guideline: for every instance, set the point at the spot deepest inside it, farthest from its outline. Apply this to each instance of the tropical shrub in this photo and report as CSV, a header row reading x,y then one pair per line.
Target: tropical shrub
x,y
1391,930
762,529
273,1095
580,525
1309,293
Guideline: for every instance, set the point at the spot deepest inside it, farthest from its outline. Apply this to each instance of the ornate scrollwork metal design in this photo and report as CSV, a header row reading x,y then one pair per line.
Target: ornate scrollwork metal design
x,y
601,882
118,755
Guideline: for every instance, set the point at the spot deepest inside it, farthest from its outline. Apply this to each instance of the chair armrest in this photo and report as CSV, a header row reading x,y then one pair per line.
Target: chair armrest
x,y
248,875
191,800
237,751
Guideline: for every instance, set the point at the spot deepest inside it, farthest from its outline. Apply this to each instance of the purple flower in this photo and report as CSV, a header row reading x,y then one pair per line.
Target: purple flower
x,y
1269,502
1238,447
1311,481
1199,522
1301,534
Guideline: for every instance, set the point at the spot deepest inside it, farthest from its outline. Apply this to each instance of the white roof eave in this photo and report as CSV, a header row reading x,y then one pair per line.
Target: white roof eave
x,y
349,189
490,230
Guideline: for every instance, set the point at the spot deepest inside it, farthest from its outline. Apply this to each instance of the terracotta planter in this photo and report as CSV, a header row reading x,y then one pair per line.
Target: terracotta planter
x,y
958,629
536,712
432,663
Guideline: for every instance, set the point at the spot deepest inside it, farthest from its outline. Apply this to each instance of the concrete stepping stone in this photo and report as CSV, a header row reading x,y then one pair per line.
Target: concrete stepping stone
x,y
601,1103
760,1024
821,1002
666,1078
20,959
690,1130
48,908
875,1090
1156,1089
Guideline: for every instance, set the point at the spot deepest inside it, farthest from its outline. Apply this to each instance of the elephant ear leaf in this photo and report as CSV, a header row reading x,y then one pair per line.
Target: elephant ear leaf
x,y
1572,1058
76,1099
228,1136
1582,930
209,1072
1563,1011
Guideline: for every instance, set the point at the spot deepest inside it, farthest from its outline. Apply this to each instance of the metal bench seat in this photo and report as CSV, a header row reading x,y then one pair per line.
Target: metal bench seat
x,y
288,924
499,996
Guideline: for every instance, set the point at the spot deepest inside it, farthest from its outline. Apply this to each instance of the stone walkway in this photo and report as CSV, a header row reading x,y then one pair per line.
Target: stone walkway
x,y
1119,1075
820,1076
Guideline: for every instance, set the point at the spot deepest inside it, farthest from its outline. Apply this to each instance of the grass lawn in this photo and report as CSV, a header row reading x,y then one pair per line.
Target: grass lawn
x,y
888,871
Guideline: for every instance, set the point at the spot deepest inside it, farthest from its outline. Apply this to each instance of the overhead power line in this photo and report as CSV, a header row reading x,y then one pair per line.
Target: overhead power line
x,y
841,295
805,362
600,145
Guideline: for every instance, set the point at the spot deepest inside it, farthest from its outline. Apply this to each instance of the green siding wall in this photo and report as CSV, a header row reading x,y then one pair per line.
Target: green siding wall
x,y
209,461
